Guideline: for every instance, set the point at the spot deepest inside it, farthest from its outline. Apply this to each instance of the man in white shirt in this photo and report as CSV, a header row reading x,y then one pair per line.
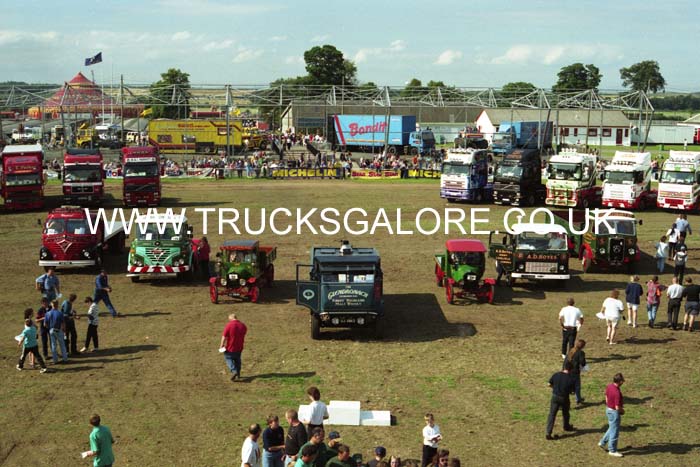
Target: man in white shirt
x,y
675,294
612,309
250,452
570,318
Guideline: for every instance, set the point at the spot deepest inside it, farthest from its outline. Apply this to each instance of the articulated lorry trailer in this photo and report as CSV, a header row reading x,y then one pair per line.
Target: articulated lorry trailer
x,y
364,132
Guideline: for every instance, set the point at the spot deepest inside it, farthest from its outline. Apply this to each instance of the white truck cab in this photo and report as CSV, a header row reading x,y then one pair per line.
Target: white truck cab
x,y
679,184
628,181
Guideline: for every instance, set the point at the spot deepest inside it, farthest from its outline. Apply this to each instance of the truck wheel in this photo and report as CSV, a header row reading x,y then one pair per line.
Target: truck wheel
x,y
531,200
642,205
214,294
449,292
315,327
510,280
491,294
134,279
379,328
451,200
585,204
438,280
254,294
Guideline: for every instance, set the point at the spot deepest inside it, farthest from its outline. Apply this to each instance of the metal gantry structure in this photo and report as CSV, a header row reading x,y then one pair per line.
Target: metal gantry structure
x,y
266,99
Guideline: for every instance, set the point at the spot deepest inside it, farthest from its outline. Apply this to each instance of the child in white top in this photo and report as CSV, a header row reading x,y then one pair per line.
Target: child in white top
x,y
431,438
319,411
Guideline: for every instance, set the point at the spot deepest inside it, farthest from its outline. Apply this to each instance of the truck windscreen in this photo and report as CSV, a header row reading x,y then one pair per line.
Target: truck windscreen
x,y
455,169
564,171
546,241
67,226
509,171
22,179
681,178
616,227
83,174
619,178
152,233
140,170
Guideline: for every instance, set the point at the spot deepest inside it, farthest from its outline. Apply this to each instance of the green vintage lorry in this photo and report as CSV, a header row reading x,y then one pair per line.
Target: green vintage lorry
x,y
460,270
243,267
162,248
343,288
608,241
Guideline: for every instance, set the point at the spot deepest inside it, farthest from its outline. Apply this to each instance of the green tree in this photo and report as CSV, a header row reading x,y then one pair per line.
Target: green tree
x,y
327,65
174,88
517,88
642,76
413,87
436,84
577,77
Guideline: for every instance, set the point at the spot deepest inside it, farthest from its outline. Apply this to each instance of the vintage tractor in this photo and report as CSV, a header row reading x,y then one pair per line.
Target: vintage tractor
x,y
460,270
243,267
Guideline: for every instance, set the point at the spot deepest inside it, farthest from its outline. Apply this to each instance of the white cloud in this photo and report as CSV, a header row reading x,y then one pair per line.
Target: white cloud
x,y
207,7
448,57
11,36
181,36
278,38
293,60
320,38
553,54
363,54
218,45
246,54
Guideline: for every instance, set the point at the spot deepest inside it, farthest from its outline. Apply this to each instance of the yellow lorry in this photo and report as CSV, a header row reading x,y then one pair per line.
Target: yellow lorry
x,y
194,136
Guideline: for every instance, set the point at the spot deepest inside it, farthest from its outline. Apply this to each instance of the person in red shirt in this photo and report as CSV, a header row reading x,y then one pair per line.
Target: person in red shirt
x,y
232,345
614,411
202,257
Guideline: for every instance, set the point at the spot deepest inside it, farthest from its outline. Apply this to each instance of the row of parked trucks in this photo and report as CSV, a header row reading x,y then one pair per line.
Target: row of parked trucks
x,y
83,176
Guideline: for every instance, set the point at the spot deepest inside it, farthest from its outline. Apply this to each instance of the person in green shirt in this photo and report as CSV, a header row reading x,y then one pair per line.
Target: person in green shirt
x,y
342,459
307,455
317,437
101,441
27,340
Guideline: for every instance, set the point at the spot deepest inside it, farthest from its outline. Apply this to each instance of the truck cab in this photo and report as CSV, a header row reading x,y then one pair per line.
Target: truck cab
x,y
465,176
609,241
627,181
460,269
243,267
518,179
679,184
141,176
68,242
344,288
533,251
160,249
83,176
22,177
421,141
571,180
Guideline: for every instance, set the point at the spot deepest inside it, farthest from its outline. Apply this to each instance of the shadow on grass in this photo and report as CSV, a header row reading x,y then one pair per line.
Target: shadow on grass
x,y
613,358
282,292
654,448
277,376
126,350
634,340
145,314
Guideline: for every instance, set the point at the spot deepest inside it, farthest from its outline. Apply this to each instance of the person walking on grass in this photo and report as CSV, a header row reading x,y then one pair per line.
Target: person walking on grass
x,y
93,315
683,227
69,317
614,410
570,319
691,293
29,345
675,295
562,384
577,358
232,341
102,291
633,294
612,309
101,441
661,253
54,322
672,236
654,291
680,258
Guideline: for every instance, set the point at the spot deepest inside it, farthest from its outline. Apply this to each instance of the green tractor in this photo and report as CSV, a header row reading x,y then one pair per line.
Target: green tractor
x,y
243,267
460,270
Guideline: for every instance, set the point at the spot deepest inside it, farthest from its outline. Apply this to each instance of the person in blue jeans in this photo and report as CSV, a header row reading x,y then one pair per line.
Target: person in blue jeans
x,y
55,325
614,411
273,443
102,290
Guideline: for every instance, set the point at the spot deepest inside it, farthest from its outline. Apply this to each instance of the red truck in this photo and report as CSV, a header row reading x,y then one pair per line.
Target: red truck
x,y
67,241
22,182
83,176
141,170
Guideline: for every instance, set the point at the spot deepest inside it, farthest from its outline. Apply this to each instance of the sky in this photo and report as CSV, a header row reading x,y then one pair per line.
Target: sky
x,y
470,44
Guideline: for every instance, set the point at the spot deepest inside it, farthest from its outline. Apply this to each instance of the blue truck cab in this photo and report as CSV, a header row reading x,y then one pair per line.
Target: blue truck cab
x,y
467,175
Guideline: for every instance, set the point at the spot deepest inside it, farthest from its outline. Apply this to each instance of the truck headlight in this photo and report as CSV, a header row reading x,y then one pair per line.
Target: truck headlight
x,y
601,251
562,267
521,267
181,261
335,321
631,251
223,281
233,277
44,253
471,277
241,281
360,321
86,254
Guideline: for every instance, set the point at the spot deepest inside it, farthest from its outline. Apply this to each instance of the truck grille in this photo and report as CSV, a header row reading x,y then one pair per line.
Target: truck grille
x,y
159,256
617,249
81,189
539,267
148,188
453,185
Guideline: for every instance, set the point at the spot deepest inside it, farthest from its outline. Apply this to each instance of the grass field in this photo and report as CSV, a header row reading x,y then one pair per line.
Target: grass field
x,y
161,385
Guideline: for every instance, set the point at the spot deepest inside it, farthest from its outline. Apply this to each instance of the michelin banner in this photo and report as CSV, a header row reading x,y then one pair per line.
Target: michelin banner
x,y
368,174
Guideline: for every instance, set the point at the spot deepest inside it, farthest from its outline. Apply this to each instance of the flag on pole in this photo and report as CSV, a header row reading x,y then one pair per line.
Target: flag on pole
x,y
93,60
